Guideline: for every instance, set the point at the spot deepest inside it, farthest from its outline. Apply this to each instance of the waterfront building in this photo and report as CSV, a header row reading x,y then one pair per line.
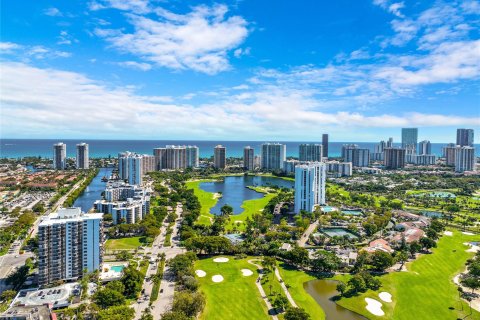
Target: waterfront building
x,y
69,242
410,138
257,161
130,167
310,152
339,169
148,163
449,154
273,156
377,155
424,159
394,158
424,147
465,137
325,145
464,159
220,157
309,186
359,157
59,156
82,159
192,154
248,158
289,166
173,157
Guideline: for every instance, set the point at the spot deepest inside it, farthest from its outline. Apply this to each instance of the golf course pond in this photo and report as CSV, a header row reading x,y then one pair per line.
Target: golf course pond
x,y
234,191
323,291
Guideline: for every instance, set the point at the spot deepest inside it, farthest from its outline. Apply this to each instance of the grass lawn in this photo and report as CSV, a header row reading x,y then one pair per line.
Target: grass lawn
x,y
426,291
236,297
207,200
124,243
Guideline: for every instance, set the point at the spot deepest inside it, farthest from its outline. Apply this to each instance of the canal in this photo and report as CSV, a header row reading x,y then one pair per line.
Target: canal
x,y
94,190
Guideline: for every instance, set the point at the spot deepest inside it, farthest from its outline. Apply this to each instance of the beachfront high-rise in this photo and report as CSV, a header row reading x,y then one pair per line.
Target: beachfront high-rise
x,y
220,157
309,186
465,137
192,155
310,152
359,157
410,138
82,156
273,156
449,154
394,158
59,156
249,158
130,167
424,147
69,242
325,145
464,159
176,157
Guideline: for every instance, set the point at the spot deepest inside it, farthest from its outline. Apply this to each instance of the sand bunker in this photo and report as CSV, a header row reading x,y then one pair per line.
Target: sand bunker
x,y
217,278
221,259
448,233
200,273
374,307
468,233
247,272
385,296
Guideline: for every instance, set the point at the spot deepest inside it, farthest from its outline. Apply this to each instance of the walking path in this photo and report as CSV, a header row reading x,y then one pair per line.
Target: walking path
x,y
285,289
303,240
262,292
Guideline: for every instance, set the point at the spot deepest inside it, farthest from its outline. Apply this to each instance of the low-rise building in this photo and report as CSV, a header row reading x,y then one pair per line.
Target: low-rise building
x,y
379,245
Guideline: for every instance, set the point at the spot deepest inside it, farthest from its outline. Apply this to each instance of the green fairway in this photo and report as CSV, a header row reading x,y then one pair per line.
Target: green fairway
x,y
207,200
236,297
426,291
124,243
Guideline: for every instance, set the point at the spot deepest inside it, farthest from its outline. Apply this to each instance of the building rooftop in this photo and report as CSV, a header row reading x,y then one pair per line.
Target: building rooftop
x,y
37,312
69,214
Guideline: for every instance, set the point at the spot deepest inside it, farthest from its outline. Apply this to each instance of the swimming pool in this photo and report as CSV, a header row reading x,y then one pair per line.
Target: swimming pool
x,y
328,209
352,212
118,269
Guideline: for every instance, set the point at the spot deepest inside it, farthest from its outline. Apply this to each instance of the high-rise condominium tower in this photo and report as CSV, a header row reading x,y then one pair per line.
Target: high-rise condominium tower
x,y
424,147
249,158
410,138
310,152
69,242
130,167
273,156
82,156
309,186
325,145
465,137
59,156
359,157
394,158
176,157
220,157
464,159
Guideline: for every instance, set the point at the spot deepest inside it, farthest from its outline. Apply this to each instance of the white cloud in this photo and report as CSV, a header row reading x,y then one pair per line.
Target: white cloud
x,y
137,6
58,99
53,12
395,8
198,40
241,52
8,47
136,65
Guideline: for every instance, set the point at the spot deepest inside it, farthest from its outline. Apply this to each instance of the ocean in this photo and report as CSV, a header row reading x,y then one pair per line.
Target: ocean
x,y
18,148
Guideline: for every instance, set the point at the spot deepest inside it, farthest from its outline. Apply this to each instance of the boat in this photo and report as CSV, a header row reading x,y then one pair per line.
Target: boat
x,y
104,179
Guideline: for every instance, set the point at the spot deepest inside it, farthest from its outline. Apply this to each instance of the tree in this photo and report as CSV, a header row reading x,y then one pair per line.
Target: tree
x,y
116,285
470,282
280,302
298,256
269,263
132,279
414,247
146,315
381,260
175,315
402,256
428,243
296,314
226,210
108,298
190,303
325,261
8,295
357,284
341,287
116,313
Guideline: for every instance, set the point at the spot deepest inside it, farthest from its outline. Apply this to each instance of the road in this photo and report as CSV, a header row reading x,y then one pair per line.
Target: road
x,y
165,299
13,259
303,240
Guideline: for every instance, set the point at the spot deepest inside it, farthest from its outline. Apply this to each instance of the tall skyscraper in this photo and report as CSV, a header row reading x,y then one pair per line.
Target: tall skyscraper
x,y
325,145
249,158
410,138
176,157
148,163
310,152
82,156
69,242
309,186
130,167
359,157
465,137
390,142
273,155
378,151
464,159
220,157
424,147
59,156
394,158
192,156
449,154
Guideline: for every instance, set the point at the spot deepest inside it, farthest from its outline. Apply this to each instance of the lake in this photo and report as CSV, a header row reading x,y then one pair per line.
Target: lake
x,y
94,190
323,291
234,190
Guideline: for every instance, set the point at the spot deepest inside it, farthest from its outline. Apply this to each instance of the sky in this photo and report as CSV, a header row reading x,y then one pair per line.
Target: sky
x,y
239,70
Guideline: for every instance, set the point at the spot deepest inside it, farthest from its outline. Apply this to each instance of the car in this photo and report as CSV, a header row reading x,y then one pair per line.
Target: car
x,y
161,290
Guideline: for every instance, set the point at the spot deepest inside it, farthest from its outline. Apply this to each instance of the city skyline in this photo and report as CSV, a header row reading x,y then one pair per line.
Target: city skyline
x,y
229,70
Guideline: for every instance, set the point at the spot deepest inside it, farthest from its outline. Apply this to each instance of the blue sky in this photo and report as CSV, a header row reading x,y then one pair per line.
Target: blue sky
x,y
239,70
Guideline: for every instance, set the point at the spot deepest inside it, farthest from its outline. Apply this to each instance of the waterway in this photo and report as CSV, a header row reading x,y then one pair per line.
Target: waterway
x,y
323,291
94,191
234,190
